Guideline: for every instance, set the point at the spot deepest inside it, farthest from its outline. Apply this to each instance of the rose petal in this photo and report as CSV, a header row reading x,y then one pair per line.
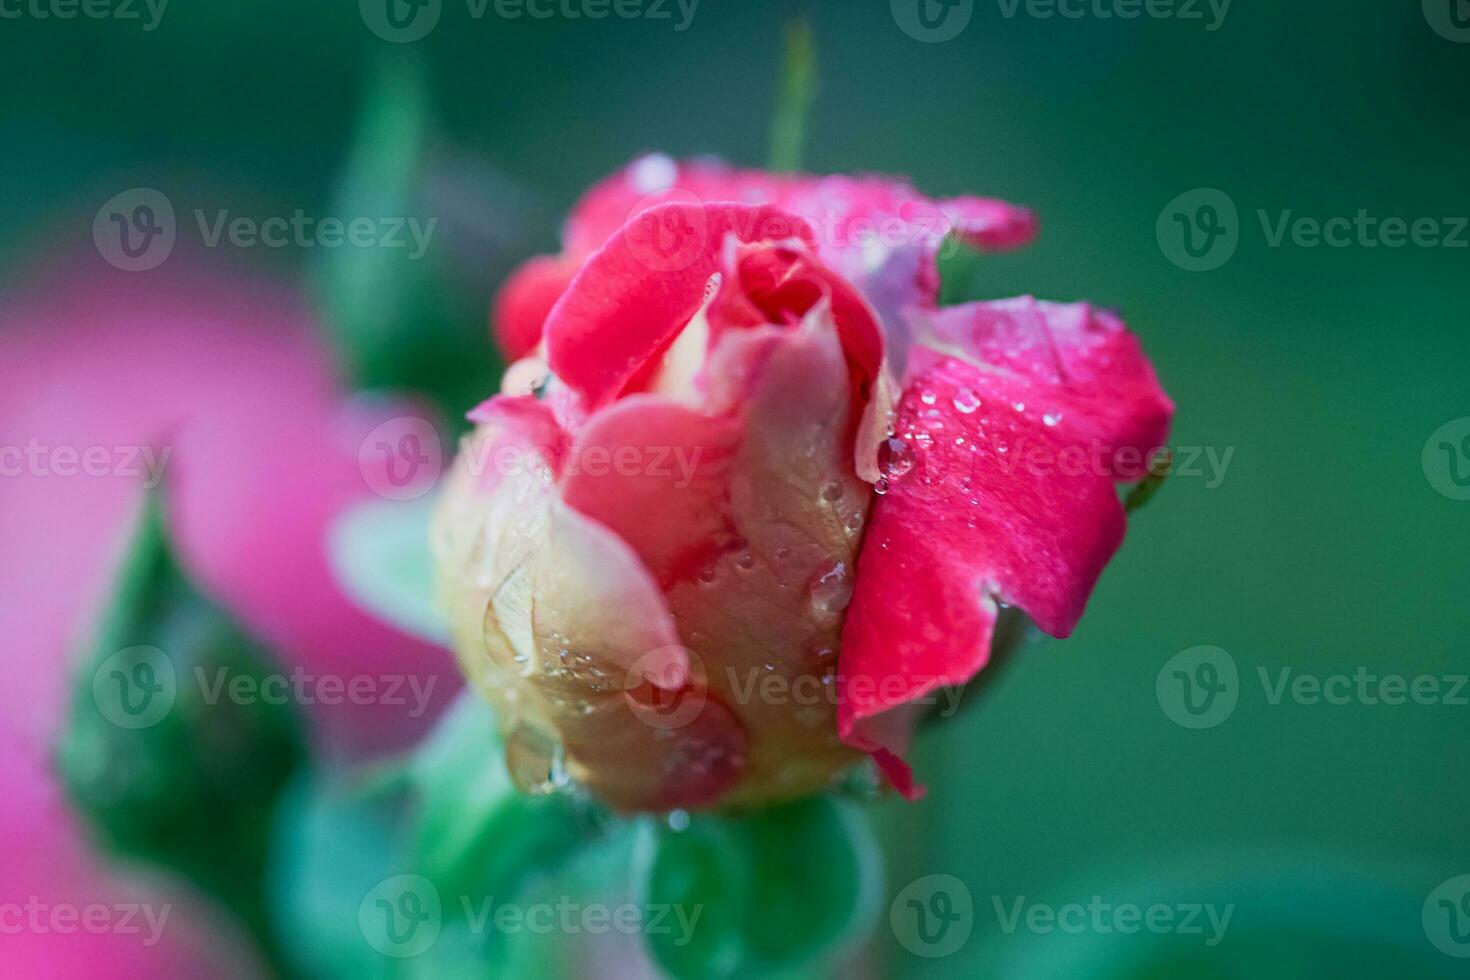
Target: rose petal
x,y
1000,490
525,300
633,296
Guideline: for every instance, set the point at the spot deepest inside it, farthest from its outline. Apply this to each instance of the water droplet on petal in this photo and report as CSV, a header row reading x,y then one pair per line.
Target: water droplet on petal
x,y
535,761
1051,418
895,458
745,562
832,492
966,401
831,591
928,397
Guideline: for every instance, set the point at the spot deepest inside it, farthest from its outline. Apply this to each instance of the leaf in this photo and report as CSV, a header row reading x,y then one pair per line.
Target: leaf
x,y
1158,471
379,552
796,90
163,763
475,833
398,317
774,890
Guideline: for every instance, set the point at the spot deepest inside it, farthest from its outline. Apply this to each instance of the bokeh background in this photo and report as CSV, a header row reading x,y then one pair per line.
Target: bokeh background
x,y
1327,543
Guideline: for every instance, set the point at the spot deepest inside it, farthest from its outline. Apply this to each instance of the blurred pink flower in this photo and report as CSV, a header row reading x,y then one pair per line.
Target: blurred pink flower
x,y
223,372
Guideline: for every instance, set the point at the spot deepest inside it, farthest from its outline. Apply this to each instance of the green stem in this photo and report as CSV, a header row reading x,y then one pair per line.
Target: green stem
x,y
796,91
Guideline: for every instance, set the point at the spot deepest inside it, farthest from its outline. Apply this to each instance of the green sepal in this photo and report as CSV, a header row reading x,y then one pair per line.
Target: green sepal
x,y
775,890
163,765
400,320
474,831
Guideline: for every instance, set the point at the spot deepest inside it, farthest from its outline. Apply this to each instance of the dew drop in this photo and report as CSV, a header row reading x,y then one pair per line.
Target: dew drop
x,y
832,492
966,401
881,487
895,458
928,397
1051,418
830,592
535,761
745,562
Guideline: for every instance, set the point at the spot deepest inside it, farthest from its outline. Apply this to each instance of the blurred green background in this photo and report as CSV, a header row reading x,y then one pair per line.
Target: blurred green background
x,y
1324,547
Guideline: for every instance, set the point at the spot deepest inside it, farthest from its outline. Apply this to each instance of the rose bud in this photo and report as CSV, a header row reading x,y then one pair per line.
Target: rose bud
x,y
751,497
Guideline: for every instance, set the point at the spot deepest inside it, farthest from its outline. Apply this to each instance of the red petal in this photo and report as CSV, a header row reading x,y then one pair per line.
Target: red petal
x,y
525,300
1000,490
635,294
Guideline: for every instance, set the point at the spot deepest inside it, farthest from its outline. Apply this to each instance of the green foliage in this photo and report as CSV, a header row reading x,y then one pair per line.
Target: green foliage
x,y
774,890
379,554
395,314
162,763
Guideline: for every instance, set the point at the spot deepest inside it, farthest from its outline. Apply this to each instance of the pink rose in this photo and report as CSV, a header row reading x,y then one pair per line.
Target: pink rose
x,y
751,496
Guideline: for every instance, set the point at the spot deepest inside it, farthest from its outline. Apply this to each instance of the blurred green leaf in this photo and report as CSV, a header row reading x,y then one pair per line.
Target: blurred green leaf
x,y
395,313
774,890
333,847
795,92
163,762
379,552
475,832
